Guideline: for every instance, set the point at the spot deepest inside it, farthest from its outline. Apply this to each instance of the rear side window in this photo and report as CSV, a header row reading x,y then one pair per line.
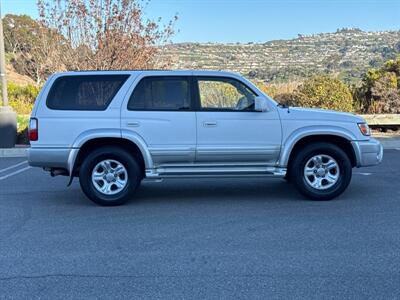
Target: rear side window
x,y
84,92
161,93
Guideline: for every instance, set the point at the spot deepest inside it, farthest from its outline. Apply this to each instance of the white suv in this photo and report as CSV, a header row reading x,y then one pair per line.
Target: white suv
x,y
115,128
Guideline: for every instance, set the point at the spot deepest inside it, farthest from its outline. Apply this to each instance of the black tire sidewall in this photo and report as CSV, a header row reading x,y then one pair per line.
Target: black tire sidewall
x,y
120,155
345,169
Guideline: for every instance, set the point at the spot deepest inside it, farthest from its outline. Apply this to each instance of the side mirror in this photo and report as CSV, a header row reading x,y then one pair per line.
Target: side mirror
x,y
260,104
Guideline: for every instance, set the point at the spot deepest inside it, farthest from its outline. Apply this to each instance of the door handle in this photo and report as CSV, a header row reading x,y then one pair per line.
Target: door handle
x,y
210,123
133,124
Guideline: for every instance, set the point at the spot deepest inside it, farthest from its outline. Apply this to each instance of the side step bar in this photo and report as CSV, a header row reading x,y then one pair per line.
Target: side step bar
x,y
211,172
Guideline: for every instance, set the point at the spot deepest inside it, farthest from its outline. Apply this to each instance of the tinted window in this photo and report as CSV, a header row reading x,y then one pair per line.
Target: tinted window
x,y
225,94
161,93
84,92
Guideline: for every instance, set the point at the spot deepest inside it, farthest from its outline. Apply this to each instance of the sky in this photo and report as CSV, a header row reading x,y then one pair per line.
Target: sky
x,y
245,21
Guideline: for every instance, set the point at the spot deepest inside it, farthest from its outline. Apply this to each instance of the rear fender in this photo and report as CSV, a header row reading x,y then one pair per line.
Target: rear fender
x,y
109,133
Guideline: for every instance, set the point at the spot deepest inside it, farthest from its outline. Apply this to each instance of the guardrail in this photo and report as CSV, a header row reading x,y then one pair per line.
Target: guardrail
x,y
382,120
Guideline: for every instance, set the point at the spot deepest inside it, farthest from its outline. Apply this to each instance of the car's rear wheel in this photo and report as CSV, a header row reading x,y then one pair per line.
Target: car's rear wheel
x,y
109,176
321,171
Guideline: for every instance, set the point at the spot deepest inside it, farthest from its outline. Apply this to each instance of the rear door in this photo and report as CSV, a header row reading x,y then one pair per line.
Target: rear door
x,y
159,110
229,130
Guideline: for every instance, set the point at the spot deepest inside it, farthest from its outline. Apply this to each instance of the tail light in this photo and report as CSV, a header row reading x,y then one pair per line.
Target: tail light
x,y
33,130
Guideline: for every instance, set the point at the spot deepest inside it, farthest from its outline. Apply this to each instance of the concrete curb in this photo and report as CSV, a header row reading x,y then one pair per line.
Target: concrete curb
x,y
387,142
14,152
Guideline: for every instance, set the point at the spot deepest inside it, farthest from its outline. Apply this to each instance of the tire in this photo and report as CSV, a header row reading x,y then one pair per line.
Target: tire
x,y
287,178
109,176
315,175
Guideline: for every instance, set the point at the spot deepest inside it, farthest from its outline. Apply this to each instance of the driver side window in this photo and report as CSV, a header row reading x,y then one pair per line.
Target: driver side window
x,y
225,94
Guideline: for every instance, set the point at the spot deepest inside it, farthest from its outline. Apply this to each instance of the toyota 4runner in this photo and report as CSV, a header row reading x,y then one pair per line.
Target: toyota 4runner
x,y
114,128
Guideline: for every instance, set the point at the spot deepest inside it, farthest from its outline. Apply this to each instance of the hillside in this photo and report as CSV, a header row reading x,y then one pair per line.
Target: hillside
x,y
14,77
347,52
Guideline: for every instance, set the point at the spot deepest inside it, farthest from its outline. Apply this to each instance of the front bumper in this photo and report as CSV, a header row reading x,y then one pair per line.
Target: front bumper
x,y
368,153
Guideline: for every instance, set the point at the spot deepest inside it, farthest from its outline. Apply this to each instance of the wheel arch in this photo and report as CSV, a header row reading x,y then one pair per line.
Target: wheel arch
x,y
340,138
92,140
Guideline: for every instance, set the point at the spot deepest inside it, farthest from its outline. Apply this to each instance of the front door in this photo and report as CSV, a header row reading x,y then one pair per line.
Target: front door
x,y
229,130
159,111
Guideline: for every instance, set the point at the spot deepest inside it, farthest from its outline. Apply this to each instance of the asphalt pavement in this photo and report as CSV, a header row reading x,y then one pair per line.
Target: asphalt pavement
x,y
247,238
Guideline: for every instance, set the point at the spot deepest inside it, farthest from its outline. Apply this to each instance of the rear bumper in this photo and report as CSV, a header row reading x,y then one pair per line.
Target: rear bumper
x,y
51,158
368,153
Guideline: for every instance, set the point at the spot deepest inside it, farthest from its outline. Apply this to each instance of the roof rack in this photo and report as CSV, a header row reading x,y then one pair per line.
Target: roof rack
x,y
147,70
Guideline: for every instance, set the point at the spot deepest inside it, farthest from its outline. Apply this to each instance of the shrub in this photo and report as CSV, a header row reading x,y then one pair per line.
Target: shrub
x,y
380,89
385,95
324,92
22,98
22,130
21,107
281,92
26,93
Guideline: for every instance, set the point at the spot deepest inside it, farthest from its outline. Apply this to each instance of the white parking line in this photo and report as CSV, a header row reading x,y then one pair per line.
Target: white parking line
x,y
361,173
13,166
15,173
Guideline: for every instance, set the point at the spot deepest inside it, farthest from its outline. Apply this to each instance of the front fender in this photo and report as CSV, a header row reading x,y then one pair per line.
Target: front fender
x,y
289,143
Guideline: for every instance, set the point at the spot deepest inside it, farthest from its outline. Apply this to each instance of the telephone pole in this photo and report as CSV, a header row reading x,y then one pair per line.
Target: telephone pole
x,y
8,118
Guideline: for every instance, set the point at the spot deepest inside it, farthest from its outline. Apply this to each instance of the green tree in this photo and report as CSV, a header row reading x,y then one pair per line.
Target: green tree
x,y
324,92
33,47
20,33
393,66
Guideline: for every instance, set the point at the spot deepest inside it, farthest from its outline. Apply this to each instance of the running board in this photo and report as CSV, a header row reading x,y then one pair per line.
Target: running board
x,y
210,172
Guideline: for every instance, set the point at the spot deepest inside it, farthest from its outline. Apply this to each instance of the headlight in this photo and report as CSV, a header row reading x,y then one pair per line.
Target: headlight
x,y
364,128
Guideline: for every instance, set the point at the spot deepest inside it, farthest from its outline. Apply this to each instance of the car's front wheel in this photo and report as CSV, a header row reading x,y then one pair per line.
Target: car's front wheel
x,y
321,171
109,176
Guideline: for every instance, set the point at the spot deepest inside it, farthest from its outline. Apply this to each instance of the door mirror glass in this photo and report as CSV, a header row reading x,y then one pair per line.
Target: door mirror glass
x,y
260,104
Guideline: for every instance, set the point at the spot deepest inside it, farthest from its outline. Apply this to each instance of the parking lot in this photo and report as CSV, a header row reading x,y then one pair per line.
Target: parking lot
x,y
209,238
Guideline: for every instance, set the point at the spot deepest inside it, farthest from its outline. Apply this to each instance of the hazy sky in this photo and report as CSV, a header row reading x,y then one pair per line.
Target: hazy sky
x,y
258,20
